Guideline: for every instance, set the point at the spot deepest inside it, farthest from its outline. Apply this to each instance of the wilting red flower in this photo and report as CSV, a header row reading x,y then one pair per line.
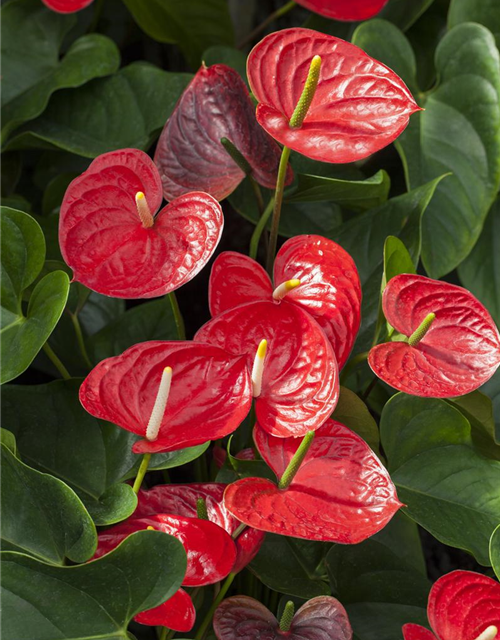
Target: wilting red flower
x,y
459,352
115,244
190,155
463,605
210,558
181,499
311,272
67,6
209,396
243,618
299,379
359,107
341,492
345,9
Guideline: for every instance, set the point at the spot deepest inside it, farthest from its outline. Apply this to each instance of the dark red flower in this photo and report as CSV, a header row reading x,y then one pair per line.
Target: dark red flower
x,y
116,245
67,6
299,380
348,10
329,288
190,155
219,454
181,499
341,492
459,352
359,107
463,605
209,397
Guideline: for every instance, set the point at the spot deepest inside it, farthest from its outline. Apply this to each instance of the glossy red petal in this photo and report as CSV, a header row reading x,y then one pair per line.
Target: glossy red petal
x,y
102,238
177,613
67,6
360,105
462,604
341,493
348,10
210,550
300,382
236,279
210,394
243,618
416,632
329,289
190,156
458,354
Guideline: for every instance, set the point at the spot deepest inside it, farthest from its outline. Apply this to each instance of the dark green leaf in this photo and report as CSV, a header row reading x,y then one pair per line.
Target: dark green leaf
x,y
492,390
8,439
373,621
234,58
397,260
404,14
478,409
486,12
495,551
352,412
42,516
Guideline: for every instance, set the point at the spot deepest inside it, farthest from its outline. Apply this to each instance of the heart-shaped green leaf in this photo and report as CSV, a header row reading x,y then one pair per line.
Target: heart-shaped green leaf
x,y
478,409
486,12
352,412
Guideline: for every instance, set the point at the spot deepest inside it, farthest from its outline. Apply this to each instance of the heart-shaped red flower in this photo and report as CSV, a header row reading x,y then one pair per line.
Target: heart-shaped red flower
x,y
329,288
243,618
348,10
359,106
459,352
115,244
300,376
67,6
210,557
210,393
462,606
190,155
341,492
181,499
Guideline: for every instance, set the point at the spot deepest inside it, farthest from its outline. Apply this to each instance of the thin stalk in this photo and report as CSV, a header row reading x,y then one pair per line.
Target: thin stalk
x,y
261,225
278,201
79,338
56,362
271,18
351,365
142,472
258,194
210,613
179,320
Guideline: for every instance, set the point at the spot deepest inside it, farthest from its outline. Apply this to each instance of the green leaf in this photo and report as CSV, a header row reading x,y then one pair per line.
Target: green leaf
x,y
397,260
492,390
33,68
194,25
404,14
50,425
8,439
478,409
94,600
480,271
127,109
459,131
352,412
495,551
292,566
234,58
42,516
355,195
373,621
486,12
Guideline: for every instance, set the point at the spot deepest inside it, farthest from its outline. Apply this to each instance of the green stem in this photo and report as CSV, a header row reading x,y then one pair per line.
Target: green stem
x,y
142,472
261,225
278,201
56,362
210,613
351,365
239,530
271,18
423,328
296,461
179,320
79,338
287,616
257,193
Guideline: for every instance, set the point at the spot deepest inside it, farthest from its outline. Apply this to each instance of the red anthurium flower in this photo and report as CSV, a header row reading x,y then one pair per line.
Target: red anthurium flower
x,y
182,499
210,557
174,394
190,156
359,106
243,618
453,344
115,244
463,605
67,6
345,9
311,272
295,384
341,492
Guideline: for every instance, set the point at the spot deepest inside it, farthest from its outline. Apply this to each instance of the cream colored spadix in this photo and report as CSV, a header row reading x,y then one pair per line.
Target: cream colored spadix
x,y
258,368
281,290
154,423
143,210
490,633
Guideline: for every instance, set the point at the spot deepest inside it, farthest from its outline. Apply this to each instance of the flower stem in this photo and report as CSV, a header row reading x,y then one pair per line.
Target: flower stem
x,y
261,225
142,472
278,201
210,613
80,339
271,18
179,320
56,362
296,461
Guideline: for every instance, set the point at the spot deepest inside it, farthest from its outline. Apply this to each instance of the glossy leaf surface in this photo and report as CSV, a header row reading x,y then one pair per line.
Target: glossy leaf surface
x,y
300,378
460,351
341,493
243,618
209,397
189,154
360,106
110,251
345,9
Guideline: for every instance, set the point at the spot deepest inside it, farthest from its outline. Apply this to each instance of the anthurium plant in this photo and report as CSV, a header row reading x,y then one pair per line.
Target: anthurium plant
x,y
250,307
